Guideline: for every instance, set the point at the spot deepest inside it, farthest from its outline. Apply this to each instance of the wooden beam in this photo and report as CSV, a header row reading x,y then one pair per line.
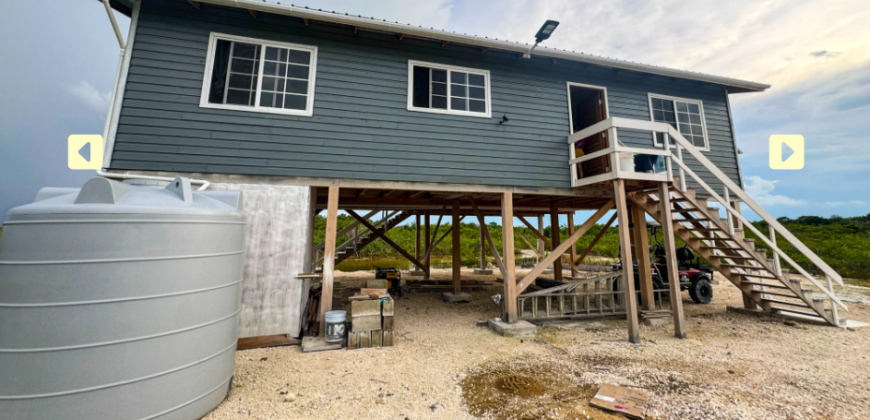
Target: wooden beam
x,y
532,275
595,240
248,343
426,261
540,235
305,21
671,257
572,255
556,233
641,248
355,29
329,256
383,236
417,236
444,43
510,285
532,247
627,266
457,258
483,263
483,50
401,37
437,226
194,4
441,238
484,231
253,13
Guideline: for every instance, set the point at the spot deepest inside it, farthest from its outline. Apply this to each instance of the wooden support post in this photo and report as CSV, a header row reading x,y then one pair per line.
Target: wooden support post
x,y
556,240
328,256
671,257
498,262
457,259
630,300
641,246
417,236
573,250
510,276
482,246
541,246
427,262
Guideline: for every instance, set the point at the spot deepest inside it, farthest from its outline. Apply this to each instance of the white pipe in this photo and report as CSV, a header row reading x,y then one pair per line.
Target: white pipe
x,y
120,88
104,174
114,24
112,102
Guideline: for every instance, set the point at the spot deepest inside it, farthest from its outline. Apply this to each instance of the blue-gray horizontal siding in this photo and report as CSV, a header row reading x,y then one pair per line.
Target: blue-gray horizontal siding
x,y
361,128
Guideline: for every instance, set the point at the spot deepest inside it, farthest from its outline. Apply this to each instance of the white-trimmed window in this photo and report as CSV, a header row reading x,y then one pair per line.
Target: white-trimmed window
x,y
686,115
247,74
443,89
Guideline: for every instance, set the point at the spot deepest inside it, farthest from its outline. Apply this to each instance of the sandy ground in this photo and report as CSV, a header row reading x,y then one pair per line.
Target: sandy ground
x,y
730,367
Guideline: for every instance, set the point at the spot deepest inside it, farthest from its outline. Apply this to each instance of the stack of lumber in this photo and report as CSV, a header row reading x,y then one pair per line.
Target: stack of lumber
x,y
371,323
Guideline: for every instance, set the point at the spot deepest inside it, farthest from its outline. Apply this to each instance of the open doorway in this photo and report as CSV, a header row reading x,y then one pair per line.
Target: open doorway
x,y
587,106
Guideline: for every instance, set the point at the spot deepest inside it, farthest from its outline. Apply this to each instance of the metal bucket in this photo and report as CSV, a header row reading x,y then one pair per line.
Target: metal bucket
x,y
336,326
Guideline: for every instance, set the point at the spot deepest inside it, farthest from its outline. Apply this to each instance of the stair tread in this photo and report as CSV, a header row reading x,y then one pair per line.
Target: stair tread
x,y
775,286
768,292
757,276
785,302
720,247
795,311
751,267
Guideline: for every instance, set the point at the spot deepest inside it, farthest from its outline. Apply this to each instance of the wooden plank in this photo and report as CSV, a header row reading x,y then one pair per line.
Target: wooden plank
x,y
532,247
427,262
572,255
483,263
383,237
556,233
329,256
194,4
253,13
417,236
441,238
641,247
510,284
671,257
596,239
437,226
627,269
532,275
485,232
457,258
247,343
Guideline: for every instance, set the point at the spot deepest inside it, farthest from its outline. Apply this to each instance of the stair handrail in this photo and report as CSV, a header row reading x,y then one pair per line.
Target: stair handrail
x,y
354,239
681,142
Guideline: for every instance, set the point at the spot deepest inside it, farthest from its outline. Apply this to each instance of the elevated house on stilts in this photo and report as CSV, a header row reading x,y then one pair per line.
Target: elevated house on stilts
x,y
310,111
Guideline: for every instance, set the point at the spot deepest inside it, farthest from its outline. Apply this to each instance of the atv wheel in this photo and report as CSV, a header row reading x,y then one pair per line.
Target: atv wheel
x,y
701,291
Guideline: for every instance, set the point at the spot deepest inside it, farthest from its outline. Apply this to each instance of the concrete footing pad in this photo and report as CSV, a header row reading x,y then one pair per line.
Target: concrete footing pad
x,y
517,329
652,322
483,271
454,298
312,344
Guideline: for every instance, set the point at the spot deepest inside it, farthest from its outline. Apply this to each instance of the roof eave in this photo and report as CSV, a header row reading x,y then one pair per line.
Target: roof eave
x,y
734,85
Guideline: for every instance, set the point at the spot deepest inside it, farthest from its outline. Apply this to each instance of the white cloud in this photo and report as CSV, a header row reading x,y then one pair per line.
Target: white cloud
x,y
844,203
761,190
91,97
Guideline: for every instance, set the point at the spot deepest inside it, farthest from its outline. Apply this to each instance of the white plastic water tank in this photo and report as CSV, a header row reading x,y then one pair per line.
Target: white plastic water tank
x,y
120,302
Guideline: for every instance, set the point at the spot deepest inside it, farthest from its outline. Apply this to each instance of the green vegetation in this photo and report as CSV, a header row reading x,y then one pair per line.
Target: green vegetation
x,y
842,242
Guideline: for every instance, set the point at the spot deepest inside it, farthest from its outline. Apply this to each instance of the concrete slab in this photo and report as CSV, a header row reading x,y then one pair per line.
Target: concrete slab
x,y
451,298
517,329
483,271
312,344
780,316
417,273
652,322
851,324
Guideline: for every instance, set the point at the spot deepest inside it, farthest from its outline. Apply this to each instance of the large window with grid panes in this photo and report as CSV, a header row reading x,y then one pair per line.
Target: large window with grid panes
x,y
686,115
249,74
444,89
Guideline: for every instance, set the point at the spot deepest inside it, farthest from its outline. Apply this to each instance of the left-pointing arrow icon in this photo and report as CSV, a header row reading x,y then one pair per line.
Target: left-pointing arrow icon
x,y
85,151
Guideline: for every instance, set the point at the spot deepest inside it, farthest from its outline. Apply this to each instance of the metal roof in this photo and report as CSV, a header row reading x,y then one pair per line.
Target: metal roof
x,y
734,85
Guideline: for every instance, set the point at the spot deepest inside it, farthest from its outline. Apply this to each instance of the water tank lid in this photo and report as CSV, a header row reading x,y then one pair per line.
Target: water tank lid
x,y
101,196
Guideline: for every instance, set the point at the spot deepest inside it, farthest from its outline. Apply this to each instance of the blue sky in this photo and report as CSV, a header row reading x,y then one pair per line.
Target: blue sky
x,y
816,54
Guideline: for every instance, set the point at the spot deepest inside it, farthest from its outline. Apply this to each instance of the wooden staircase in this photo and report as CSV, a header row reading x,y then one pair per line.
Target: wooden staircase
x,y
351,247
737,258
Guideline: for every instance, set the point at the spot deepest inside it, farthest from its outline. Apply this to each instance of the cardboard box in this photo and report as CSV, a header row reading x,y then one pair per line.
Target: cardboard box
x,y
631,402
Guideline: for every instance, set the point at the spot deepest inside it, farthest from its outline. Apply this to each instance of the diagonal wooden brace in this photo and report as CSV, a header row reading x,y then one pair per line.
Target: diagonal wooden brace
x,y
485,231
383,236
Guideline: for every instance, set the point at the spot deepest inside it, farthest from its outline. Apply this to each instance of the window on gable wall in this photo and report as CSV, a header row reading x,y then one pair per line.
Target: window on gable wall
x,y
686,115
448,90
253,75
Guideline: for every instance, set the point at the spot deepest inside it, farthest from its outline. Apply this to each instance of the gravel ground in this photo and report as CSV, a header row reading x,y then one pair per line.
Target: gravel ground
x,y
730,367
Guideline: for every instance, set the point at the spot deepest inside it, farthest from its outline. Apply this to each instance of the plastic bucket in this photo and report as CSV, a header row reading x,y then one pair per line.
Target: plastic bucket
x,y
626,162
336,326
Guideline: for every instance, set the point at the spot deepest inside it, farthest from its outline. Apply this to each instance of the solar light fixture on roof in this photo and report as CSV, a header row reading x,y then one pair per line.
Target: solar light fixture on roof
x,y
543,34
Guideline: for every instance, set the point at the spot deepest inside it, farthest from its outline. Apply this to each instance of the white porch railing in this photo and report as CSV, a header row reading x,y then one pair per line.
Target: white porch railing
x,y
615,147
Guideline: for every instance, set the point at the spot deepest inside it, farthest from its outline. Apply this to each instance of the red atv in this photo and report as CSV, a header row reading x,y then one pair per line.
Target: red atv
x,y
694,276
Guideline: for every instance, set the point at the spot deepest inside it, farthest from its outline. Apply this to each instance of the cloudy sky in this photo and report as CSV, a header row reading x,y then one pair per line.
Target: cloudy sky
x,y
816,54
